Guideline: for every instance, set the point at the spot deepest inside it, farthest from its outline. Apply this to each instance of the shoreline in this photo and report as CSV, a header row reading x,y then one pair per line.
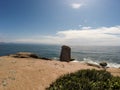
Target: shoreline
x,y
110,65
85,60
37,74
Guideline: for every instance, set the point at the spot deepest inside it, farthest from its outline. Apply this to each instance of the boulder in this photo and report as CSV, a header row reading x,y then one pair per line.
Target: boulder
x,y
65,53
103,64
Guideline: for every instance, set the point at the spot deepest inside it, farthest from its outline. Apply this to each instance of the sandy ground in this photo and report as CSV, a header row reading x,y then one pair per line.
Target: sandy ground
x,y
36,74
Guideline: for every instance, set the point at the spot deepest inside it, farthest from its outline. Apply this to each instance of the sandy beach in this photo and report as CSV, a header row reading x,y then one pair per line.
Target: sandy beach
x,y
37,74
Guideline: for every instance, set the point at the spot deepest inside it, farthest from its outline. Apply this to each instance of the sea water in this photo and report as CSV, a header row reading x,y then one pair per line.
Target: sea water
x,y
91,54
97,54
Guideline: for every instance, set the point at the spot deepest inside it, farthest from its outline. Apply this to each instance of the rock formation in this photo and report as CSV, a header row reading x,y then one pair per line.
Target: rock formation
x,y
65,53
25,55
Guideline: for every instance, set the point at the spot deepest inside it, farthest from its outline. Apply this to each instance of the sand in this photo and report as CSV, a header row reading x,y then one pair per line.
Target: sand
x,y
36,74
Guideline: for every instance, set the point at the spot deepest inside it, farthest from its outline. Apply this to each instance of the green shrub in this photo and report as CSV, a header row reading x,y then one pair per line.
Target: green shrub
x,y
86,80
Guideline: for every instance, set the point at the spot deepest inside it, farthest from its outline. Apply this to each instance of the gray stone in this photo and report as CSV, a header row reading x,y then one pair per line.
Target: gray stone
x,y
65,53
103,64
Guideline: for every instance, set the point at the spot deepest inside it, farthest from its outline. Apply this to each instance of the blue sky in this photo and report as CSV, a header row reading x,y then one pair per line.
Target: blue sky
x,y
82,22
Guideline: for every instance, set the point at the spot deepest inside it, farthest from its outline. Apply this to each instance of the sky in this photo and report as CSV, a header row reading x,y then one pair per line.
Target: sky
x,y
70,22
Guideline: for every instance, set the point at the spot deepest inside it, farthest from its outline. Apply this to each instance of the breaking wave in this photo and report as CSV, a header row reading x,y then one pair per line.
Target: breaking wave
x,y
96,62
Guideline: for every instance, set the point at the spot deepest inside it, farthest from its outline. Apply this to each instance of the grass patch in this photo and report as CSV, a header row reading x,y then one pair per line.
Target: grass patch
x,y
86,80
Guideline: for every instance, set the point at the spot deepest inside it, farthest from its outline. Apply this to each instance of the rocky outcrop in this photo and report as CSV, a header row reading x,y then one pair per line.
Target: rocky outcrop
x,y
65,53
25,55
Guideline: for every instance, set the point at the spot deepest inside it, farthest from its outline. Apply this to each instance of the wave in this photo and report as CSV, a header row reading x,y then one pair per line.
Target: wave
x,y
91,61
96,62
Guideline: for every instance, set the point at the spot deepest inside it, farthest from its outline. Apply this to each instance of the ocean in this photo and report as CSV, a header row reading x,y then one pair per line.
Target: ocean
x,y
91,54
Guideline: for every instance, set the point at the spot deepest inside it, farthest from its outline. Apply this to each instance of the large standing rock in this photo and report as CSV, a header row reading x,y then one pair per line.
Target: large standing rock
x,y
65,53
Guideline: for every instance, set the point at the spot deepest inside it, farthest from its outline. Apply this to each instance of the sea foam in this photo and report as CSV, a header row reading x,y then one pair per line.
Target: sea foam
x,y
96,62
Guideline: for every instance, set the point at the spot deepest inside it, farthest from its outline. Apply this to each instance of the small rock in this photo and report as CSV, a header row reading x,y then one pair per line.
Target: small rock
x,y
103,64
4,83
45,58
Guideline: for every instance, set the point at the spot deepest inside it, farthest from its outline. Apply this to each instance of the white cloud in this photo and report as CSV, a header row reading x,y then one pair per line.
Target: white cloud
x,y
76,5
85,36
86,27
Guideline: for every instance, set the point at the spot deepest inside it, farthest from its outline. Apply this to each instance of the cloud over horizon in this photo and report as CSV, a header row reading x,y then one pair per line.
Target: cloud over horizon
x,y
108,36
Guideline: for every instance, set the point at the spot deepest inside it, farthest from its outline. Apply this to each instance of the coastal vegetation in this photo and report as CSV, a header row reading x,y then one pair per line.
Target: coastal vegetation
x,y
87,80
